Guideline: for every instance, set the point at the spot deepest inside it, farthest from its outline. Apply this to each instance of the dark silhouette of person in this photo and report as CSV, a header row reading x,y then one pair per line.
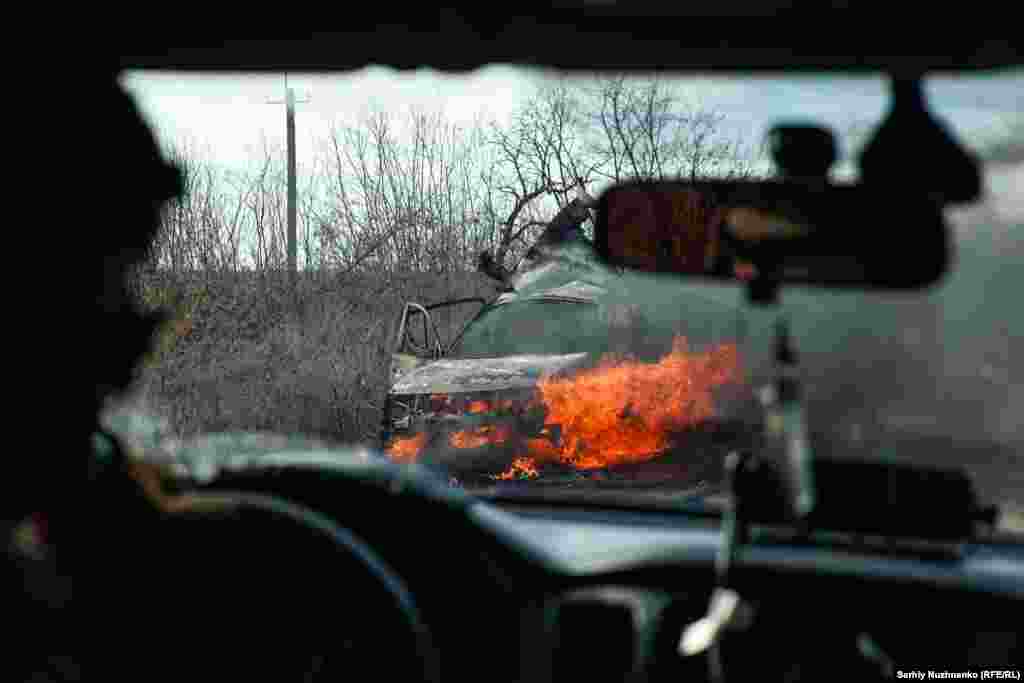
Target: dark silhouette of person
x,y
75,529
95,545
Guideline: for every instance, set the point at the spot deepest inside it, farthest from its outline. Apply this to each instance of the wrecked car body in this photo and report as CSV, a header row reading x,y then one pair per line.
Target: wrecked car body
x,y
540,383
441,410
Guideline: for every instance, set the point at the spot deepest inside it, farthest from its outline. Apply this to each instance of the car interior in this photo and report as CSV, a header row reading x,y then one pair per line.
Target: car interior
x,y
815,567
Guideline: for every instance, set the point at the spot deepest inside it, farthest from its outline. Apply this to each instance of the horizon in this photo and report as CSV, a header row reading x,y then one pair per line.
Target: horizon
x,y
234,122
231,116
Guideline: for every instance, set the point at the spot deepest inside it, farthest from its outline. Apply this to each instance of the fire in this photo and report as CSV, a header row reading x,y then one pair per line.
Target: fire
x,y
543,450
624,411
479,437
407,449
522,468
492,406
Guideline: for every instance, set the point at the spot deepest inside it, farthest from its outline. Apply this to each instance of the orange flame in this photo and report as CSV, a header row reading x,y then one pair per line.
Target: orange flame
x,y
407,449
622,411
522,468
478,407
479,437
625,411
543,450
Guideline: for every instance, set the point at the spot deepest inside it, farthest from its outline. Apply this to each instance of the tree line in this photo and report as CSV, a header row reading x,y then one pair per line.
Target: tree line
x,y
416,192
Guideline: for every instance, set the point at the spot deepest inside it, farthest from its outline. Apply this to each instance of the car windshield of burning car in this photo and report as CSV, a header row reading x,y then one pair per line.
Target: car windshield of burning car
x,y
539,326
307,266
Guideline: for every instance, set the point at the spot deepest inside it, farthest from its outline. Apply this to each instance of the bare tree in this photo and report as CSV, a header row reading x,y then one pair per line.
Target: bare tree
x,y
644,129
568,139
542,159
402,194
418,193
265,212
200,231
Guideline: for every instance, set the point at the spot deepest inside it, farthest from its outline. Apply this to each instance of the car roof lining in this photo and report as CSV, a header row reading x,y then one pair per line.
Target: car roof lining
x,y
765,37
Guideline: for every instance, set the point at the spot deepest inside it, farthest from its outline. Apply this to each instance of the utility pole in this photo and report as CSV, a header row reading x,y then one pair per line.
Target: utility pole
x,y
293,248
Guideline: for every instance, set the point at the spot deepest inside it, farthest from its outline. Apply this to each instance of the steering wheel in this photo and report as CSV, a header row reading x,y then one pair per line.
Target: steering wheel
x,y
282,573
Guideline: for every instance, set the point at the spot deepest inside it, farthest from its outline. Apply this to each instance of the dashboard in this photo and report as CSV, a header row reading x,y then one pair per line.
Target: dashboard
x,y
540,593
639,582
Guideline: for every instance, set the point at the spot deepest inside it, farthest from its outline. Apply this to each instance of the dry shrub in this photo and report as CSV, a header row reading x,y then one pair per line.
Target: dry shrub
x,y
241,352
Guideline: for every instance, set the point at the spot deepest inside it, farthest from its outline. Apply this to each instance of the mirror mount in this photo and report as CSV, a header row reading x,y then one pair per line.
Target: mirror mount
x,y
911,149
804,154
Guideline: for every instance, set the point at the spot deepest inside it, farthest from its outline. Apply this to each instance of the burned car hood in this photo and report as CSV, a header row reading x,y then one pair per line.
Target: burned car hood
x,y
483,374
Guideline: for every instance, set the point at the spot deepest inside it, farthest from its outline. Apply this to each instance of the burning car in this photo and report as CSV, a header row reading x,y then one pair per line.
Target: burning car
x,y
575,370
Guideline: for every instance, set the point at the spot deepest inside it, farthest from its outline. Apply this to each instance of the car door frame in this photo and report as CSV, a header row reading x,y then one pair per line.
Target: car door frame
x,y
398,349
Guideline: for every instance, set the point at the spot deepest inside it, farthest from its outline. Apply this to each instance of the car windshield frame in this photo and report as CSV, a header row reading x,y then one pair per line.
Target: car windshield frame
x,y
843,340
453,352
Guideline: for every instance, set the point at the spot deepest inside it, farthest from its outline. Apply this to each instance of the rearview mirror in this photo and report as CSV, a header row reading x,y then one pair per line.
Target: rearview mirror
x,y
774,232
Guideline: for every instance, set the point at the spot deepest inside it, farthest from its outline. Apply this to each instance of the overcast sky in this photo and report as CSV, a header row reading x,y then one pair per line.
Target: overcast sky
x,y
228,116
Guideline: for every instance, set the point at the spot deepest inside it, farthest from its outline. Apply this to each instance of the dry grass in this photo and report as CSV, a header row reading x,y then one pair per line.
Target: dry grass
x,y
242,354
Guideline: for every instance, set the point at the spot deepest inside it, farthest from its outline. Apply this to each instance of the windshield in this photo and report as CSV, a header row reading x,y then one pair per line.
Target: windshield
x,y
533,327
285,287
